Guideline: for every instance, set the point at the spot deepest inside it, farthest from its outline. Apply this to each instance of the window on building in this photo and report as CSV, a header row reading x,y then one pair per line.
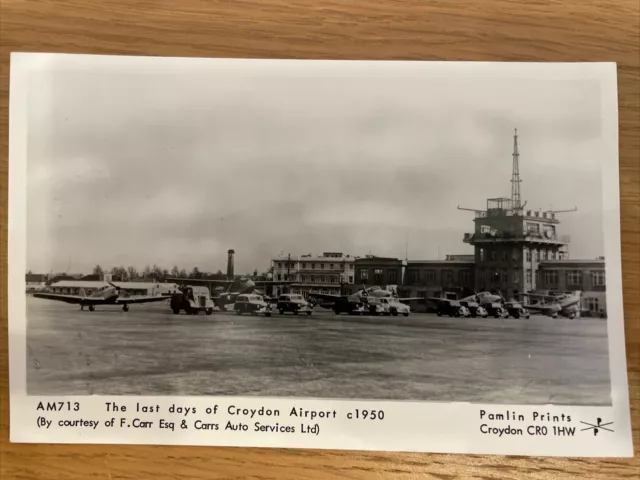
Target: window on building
x,y
377,276
529,277
313,266
492,255
505,276
448,276
279,265
465,277
322,279
515,277
322,266
515,254
331,266
593,304
364,274
574,277
393,277
279,277
598,278
313,279
350,278
551,277
505,256
543,255
482,255
304,265
533,228
527,254
431,277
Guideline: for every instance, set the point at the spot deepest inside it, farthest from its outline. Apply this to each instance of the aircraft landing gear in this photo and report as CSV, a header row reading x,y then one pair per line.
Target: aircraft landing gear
x,y
125,307
81,307
91,308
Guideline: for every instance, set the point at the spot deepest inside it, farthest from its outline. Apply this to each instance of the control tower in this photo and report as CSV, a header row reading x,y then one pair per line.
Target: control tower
x,y
510,240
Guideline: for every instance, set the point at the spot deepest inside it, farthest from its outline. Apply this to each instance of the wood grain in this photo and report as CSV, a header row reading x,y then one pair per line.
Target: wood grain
x,y
535,30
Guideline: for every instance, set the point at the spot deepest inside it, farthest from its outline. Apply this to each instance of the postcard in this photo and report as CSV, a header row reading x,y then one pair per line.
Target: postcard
x,y
361,255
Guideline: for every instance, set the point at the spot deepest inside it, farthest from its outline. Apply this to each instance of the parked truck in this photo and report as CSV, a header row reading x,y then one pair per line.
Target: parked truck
x,y
193,300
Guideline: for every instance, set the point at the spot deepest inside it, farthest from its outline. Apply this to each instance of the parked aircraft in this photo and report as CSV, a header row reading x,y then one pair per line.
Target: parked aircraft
x,y
222,296
565,304
367,299
107,295
488,303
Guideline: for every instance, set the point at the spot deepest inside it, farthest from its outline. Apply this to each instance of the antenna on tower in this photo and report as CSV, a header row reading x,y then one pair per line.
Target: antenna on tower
x,y
515,175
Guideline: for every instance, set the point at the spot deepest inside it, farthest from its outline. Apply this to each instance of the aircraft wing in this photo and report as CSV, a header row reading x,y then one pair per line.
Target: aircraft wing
x,y
543,308
76,299
60,297
127,300
327,297
537,295
410,299
438,299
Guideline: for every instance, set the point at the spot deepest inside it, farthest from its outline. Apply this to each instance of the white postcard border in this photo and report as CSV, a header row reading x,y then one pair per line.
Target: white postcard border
x,y
407,426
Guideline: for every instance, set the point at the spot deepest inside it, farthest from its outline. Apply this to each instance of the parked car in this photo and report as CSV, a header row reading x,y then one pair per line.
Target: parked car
x,y
391,306
496,310
294,304
252,304
452,308
516,310
475,309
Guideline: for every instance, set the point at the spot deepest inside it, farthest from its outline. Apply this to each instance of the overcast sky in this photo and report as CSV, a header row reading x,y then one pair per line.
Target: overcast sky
x,y
129,166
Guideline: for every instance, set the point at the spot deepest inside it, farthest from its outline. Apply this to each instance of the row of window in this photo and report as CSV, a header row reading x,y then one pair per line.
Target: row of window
x,y
576,278
495,277
314,278
504,254
430,277
303,266
378,276
305,293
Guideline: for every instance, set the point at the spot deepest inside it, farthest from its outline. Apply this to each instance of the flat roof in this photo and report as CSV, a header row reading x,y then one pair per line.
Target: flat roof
x,y
580,261
317,258
99,284
469,263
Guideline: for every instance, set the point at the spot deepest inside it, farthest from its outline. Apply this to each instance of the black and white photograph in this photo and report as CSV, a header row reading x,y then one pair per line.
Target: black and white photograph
x,y
318,230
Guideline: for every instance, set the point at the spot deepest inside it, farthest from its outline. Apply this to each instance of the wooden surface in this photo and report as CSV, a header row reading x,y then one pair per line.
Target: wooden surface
x,y
568,30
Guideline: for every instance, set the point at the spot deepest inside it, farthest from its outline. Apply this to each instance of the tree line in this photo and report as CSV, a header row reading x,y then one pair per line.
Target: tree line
x,y
129,274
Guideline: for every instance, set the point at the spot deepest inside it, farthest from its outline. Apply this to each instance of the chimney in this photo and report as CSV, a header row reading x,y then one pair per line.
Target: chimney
x,y
230,254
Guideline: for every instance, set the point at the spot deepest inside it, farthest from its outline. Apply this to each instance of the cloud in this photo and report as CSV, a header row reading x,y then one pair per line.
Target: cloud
x,y
126,167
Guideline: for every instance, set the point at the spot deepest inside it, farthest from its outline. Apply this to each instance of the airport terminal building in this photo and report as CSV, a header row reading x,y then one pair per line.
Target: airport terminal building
x,y
328,273
515,250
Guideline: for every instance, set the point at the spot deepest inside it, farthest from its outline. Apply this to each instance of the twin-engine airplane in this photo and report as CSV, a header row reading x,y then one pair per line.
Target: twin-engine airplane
x,y
366,298
107,295
565,304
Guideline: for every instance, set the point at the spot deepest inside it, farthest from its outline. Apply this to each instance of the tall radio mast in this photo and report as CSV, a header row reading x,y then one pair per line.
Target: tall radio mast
x,y
515,176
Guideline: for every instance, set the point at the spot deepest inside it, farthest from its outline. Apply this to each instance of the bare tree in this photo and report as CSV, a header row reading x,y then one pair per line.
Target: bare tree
x,y
132,273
